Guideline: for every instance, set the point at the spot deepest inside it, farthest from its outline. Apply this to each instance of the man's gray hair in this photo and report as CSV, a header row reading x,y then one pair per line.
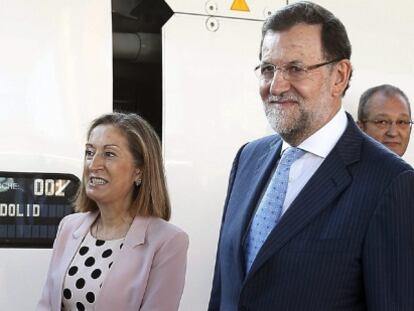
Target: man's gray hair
x,y
385,89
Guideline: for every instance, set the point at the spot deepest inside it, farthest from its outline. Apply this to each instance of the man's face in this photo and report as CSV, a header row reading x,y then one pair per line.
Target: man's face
x,y
383,108
297,109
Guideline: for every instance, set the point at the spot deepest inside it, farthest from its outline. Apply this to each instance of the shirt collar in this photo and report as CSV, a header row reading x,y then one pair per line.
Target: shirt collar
x,y
324,140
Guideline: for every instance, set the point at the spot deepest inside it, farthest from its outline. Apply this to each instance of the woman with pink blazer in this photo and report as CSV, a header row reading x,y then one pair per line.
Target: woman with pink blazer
x,y
119,252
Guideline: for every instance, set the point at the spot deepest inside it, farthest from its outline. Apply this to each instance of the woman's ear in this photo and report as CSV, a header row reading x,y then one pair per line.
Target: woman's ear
x,y
138,177
342,72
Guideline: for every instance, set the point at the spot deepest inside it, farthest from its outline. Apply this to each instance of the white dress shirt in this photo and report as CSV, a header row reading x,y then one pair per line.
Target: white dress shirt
x,y
317,148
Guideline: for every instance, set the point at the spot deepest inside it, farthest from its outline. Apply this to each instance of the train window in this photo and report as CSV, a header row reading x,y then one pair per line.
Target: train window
x,y
137,65
32,205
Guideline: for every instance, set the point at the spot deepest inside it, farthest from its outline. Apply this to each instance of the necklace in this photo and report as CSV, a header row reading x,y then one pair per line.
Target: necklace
x,y
97,228
118,233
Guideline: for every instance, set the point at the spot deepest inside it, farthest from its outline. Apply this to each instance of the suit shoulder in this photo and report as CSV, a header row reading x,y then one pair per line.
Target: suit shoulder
x,y
73,221
75,217
380,156
164,230
264,141
261,144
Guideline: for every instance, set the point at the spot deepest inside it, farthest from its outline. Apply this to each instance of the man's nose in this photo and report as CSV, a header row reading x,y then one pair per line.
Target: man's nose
x,y
392,129
279,85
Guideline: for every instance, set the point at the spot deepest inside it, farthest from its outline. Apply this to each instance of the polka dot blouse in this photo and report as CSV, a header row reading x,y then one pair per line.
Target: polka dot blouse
x,y
87,272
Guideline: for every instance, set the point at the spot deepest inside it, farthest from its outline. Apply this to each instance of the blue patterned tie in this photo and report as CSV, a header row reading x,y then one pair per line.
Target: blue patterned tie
x,y
270,207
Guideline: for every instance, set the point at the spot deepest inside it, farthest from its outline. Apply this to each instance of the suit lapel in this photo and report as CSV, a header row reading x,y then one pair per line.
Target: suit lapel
x,y
135,236
70,249
328,182
252,173
250,193
74,242
258,181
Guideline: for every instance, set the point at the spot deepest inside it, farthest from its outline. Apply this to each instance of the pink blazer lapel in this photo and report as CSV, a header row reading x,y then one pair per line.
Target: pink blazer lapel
x,y
67,252
121,278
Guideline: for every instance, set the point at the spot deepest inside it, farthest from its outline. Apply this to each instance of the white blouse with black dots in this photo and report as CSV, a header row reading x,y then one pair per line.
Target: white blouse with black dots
x,y
87,272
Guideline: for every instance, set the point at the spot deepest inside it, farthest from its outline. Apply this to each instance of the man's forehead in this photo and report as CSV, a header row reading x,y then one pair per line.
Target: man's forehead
x,y
296,43
386,106
384,102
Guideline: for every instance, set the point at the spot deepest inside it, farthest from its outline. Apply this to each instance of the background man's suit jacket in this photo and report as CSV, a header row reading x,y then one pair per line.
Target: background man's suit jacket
x,y
154,254
345,243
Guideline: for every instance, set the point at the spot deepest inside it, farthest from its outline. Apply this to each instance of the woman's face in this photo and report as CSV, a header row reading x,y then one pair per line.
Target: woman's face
x,y
109,168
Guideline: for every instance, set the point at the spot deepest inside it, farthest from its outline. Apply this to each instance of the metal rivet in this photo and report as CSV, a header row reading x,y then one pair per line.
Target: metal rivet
x,y
267,12
212,24
211,7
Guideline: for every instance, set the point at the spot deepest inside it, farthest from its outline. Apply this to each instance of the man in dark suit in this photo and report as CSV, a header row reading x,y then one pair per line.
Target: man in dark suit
x,y
318,217
384,113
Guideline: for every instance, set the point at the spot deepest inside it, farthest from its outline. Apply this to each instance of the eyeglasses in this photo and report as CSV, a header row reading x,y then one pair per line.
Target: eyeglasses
x,y
290,72
386,124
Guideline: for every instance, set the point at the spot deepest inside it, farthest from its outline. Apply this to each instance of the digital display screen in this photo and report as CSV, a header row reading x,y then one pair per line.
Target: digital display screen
x,y
32,205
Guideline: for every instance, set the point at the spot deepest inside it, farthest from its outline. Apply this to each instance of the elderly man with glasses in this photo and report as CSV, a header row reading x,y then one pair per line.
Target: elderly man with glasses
x,y
318,217
384,113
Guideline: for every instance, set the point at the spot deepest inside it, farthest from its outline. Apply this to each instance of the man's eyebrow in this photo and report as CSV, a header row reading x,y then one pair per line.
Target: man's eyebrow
x,y
292,62
404,115
295,62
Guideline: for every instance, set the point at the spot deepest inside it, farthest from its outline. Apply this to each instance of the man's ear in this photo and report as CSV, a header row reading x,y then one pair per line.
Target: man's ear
x,y
342,72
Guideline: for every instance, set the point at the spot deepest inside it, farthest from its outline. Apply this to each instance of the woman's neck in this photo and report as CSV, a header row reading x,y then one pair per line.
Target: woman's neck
x,y
112,223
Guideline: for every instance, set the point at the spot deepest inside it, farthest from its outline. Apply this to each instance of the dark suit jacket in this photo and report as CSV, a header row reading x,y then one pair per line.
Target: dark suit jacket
x,y
345,243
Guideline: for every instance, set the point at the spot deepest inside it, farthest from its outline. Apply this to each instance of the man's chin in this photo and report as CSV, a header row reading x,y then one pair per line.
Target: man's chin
x,y
281,123
280,126
287,132
394,146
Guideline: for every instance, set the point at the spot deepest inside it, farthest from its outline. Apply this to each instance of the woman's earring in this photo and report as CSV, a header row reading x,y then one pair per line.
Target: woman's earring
x,y
138,181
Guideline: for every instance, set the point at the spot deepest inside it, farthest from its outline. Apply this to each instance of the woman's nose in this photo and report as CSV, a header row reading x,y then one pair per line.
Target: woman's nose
x,y
96,162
